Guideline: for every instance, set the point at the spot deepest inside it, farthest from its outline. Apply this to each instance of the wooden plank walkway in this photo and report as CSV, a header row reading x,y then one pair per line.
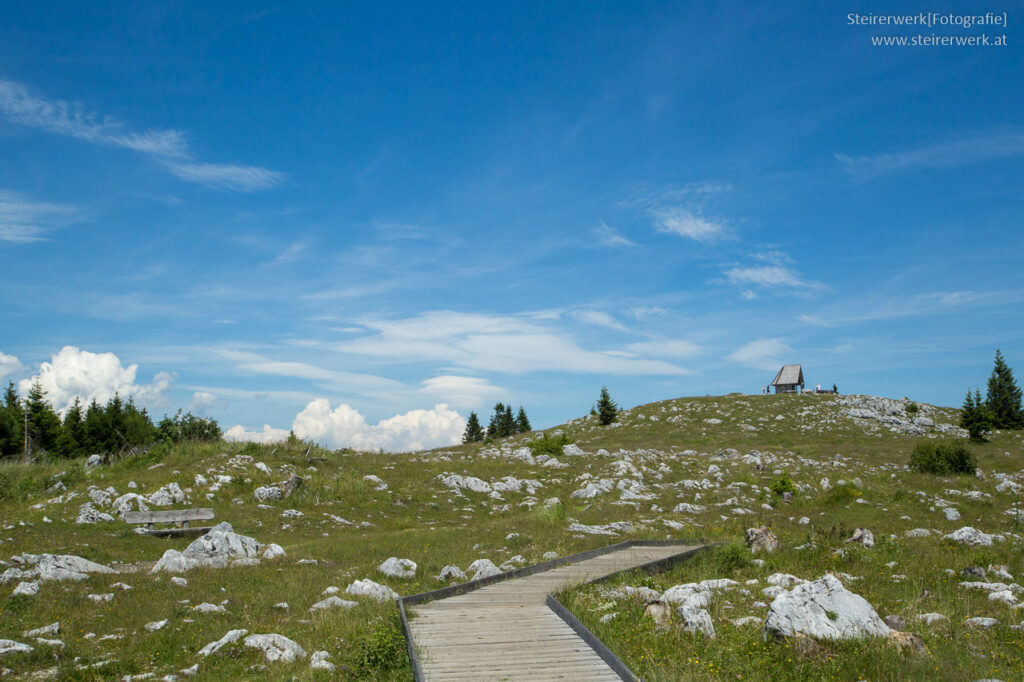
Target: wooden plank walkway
x,y
506,631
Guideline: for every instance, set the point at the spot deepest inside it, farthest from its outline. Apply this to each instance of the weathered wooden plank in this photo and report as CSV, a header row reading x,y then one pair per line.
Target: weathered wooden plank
x,y
169,515
505,631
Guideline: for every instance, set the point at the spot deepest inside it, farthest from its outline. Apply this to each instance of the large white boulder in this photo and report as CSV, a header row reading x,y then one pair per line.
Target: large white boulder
x,y
53,567
969,536
823,609
275,647
394,567
368,588
221,546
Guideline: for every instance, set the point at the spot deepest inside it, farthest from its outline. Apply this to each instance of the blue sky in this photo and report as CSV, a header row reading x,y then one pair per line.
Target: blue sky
x,y
322,217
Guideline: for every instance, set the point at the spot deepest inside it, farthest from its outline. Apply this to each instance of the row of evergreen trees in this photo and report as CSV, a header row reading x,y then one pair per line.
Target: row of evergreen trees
x,y
502,424
1001,408
30,427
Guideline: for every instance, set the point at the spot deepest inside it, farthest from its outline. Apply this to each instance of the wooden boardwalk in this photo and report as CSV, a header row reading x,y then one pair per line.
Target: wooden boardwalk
x,y
506,631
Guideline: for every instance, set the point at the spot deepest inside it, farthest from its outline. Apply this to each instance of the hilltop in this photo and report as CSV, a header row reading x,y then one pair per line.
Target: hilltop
x,y
812,468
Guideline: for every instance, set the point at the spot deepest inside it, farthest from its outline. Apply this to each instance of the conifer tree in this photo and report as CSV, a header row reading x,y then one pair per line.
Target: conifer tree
x,y
607,410
494,426
473,433
11,423
1003,397
974,416
43,422
508,422
71,442
522,421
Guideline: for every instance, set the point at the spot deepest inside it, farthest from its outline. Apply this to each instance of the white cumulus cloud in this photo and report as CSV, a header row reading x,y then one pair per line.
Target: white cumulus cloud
x,y
9,365
767,354
344,426
78,373
267,435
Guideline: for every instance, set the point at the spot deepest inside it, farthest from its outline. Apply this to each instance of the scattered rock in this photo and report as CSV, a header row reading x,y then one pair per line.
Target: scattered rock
x,y
275,647
981,623
9,646
969,536
168,495
207,607
368,588
27,589
319,661
761,539
823,609
92,462
332,603
273,551
483,568
450,572
696,620
157,625
863,536
231,637
394,567
660,613
896,622
267,493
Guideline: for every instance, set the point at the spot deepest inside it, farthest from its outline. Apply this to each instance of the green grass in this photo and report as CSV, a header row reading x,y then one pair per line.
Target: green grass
x,y
419,519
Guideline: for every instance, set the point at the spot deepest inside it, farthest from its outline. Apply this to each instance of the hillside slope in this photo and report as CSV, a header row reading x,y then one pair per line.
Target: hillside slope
x,y
686,468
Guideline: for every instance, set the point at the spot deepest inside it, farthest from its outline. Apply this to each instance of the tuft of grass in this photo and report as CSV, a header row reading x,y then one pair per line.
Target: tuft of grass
x,y
382,648
731,557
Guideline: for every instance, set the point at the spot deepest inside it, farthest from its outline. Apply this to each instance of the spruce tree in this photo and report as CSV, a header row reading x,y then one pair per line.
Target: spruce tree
x,y
607,410
43,422
974,416
11,423
71,442
1003,398
494,426
508,422
522,421
473,433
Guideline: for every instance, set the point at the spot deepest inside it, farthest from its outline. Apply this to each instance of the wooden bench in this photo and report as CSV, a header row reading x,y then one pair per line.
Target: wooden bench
x,y
182,516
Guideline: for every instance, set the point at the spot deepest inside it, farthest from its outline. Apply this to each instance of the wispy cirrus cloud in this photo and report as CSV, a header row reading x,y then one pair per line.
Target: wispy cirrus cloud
x,y
609,238
683,222
23,220
773,272
956,152
169,147
227,176
763,354
683,211
501,343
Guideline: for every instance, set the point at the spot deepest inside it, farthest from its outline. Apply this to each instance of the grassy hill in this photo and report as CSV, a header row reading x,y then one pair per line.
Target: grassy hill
x,y
722,456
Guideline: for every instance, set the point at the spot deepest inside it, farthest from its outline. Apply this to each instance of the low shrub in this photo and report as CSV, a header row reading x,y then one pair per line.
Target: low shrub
x,y
730,557
842,495
783,485
551,447
943,459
